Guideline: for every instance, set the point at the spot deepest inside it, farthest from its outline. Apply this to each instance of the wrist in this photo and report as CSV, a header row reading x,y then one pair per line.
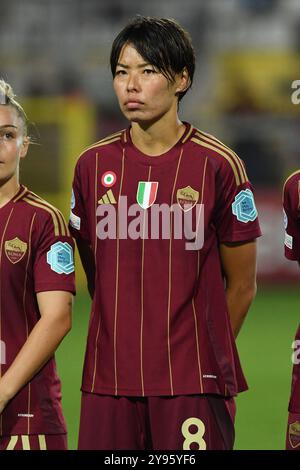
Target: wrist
x,y
5,393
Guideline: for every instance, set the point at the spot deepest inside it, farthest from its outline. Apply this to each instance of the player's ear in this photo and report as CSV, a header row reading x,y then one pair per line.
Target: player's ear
x,y
24,147
183,81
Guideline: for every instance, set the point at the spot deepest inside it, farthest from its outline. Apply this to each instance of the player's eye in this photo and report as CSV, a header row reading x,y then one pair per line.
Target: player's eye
x,y
149,71
120,72
7,135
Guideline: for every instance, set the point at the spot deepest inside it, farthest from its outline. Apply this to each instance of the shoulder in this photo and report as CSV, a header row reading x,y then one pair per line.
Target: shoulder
x,y
223,158
292,183
291,193
47,215
111,141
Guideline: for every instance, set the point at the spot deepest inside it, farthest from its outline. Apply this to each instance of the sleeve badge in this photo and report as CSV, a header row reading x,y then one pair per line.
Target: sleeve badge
x,y
60,258
243,206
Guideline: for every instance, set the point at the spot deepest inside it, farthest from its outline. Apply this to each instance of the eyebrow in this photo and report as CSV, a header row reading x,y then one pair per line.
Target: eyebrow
x,y
8,125
144,64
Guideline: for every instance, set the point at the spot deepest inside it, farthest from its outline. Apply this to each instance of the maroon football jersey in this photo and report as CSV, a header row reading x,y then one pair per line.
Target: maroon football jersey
x,y
291,207
36,254
159,321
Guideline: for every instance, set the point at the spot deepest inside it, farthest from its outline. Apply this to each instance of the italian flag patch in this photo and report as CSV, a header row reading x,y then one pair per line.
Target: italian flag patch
x,y
146,193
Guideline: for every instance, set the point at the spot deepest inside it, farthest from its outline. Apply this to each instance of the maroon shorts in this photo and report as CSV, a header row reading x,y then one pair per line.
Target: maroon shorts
x,y
34,442
156,423
293,432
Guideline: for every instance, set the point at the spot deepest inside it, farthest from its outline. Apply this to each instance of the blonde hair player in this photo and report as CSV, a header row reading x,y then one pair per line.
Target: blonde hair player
x,y
36,290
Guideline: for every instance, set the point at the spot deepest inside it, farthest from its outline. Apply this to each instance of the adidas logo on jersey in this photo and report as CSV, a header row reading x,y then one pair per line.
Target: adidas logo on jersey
x,y
108,198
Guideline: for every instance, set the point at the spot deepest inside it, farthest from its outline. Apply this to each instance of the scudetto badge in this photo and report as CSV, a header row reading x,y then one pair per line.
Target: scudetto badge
x,y
187,198
146,193
15,250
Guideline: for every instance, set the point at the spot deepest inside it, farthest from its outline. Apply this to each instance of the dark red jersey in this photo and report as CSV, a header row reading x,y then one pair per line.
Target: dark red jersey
x,y
36,254
291,207
159,321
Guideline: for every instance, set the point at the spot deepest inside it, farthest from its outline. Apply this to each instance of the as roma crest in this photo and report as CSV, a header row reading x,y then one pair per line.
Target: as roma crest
x,y
15,250
294,434
146,193
187,198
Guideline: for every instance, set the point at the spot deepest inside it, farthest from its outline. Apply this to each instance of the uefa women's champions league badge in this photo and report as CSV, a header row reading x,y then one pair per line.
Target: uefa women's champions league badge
x,y
243,206
60,258
285,220
73,202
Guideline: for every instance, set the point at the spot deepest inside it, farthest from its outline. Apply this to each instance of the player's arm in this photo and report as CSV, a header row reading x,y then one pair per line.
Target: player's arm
x,y
291,210
88,263
79,224
55,322
239,267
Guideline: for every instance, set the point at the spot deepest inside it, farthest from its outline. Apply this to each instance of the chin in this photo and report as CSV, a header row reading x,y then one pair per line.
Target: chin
x,y
133,116
141,120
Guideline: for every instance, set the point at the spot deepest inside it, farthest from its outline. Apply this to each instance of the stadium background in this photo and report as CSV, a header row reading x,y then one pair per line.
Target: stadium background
x,y
56,55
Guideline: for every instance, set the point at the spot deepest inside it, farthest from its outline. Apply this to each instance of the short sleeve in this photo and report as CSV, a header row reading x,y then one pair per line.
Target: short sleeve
x,y
78,221
291,217
236,217
53,267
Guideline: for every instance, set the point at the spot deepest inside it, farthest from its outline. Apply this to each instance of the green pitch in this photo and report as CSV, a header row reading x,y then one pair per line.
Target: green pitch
x,y
265,350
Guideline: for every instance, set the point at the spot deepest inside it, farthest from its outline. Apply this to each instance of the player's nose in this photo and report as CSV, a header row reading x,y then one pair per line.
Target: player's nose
x,y
133,82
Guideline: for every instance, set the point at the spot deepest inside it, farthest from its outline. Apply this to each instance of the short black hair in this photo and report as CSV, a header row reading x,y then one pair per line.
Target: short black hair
x,y
161,42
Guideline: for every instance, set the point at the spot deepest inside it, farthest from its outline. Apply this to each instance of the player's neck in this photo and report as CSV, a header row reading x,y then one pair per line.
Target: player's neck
x,y
8,190
156,138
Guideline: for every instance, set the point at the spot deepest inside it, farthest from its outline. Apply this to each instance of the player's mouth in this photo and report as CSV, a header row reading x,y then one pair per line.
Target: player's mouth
x,y
133,104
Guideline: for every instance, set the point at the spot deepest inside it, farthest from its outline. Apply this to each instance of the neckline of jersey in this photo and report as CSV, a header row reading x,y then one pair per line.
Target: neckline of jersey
x,y
134,154
15,197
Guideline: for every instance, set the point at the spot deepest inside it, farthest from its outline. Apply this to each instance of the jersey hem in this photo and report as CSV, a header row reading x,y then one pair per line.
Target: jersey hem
x,y
54,286
151,393
240,236
23,432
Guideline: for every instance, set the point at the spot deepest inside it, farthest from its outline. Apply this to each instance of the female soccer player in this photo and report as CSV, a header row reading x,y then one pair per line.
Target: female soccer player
x,y
36,287
291,206
163,213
